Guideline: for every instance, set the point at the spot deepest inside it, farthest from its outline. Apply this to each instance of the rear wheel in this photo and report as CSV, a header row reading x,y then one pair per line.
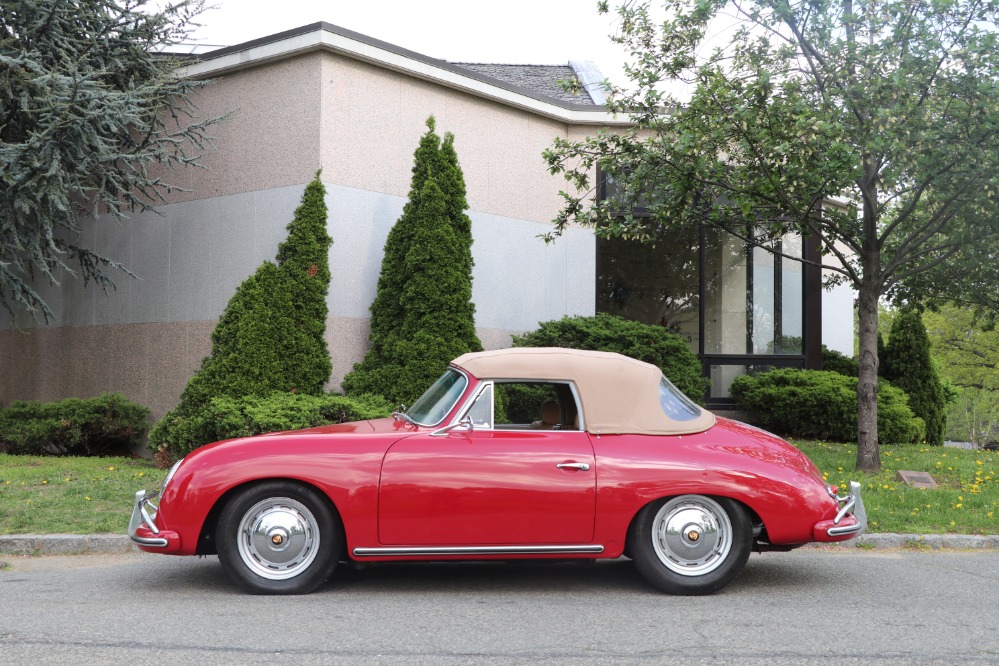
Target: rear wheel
x,y
691,544
278,537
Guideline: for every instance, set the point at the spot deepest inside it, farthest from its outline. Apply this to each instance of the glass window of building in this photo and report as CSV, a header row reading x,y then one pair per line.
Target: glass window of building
x,y
741,308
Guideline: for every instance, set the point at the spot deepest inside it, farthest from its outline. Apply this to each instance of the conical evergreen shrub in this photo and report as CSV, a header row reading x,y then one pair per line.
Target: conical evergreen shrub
x,y
270,338
422,315
907,365
387,308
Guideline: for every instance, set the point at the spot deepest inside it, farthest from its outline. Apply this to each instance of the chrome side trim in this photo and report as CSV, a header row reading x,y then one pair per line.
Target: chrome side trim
x,y
477,550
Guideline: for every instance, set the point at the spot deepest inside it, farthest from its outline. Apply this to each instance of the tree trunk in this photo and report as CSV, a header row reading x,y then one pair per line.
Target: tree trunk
x,y
868,456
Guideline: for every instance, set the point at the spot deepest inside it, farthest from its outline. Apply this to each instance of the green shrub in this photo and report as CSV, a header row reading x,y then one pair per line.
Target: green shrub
x,y
518,403
109,424
834,361
607,332
226,417
270,337
422,316
907,364
817,404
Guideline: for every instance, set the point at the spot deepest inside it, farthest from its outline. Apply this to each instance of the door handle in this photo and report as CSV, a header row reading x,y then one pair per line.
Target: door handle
x,y
574,465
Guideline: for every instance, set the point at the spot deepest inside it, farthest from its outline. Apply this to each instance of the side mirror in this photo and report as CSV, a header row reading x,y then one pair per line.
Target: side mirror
x,y
465,423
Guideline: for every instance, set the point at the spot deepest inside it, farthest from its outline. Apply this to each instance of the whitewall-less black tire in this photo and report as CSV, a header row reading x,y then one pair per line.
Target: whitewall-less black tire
x,y
279,537
691,544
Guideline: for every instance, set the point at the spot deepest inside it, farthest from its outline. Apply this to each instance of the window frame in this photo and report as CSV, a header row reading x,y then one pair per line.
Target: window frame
x,y
811,306
485,384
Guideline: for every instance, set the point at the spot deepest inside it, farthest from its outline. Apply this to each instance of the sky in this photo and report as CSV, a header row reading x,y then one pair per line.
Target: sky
x,y
536,32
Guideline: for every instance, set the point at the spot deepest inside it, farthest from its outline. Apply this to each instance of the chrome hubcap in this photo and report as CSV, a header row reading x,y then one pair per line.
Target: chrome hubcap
x,y
692,535
278,538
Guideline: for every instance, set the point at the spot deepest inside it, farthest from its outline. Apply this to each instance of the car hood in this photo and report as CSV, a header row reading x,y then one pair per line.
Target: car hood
x,y
385,425
358,436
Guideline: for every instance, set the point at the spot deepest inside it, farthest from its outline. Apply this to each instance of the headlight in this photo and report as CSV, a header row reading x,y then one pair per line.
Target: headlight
x,y
166,481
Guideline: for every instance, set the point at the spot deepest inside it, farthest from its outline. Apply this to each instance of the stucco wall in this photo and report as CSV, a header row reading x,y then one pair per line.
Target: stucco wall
x,y
373,118
361,125
272,135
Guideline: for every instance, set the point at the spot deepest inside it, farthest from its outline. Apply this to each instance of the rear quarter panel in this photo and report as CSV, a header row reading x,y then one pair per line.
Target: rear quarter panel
x,y
731,459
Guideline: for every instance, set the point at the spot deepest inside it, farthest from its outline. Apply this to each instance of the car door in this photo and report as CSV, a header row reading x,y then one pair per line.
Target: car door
x,y
488,486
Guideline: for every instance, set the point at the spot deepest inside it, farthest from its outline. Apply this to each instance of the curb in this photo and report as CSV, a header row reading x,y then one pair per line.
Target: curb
x,y
888,540
65,544
106,544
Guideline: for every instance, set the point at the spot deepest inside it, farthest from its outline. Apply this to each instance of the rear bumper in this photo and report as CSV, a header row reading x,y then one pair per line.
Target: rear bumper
x,y
143,530
850,521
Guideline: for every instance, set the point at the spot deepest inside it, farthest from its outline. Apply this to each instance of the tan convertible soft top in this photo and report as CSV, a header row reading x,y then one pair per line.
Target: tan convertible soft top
x,y
619,394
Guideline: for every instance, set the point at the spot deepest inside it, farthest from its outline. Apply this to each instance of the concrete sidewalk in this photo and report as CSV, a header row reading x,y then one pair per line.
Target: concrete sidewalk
x,y
66,544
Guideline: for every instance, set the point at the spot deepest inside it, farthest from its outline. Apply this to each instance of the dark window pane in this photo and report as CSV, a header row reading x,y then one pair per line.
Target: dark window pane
x,y
652,283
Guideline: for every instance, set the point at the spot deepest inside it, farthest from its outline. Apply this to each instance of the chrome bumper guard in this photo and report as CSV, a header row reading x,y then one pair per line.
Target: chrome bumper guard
x,y
145,511
850,503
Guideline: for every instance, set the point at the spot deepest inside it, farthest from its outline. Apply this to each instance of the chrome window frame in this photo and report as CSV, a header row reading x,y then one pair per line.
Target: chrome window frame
x,y
467,405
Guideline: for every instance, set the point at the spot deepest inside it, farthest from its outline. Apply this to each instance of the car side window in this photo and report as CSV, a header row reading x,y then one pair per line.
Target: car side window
x,y
481,411
535,406
675,404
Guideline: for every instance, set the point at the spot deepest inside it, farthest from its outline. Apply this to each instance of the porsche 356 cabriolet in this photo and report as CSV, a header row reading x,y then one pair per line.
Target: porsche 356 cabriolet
x,y
511,454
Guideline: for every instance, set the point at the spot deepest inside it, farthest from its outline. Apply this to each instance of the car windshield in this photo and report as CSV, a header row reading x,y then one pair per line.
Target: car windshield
x,y
676,405
431,408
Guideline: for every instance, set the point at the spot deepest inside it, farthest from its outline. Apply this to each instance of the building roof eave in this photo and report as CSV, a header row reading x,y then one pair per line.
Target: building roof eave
x,y
327,37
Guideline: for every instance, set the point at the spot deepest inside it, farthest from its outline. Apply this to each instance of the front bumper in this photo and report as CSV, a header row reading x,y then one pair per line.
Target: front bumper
x,y
143,530
850,520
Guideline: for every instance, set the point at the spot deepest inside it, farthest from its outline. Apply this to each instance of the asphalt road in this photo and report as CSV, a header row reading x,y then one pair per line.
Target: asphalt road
x,y
843,606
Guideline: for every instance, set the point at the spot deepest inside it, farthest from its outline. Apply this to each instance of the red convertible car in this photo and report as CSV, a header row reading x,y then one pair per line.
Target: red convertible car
x,y
514,453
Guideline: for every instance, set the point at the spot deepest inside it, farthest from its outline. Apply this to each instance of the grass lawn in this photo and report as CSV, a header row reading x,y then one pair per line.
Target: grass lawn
x,y
44,495
966,500
47,495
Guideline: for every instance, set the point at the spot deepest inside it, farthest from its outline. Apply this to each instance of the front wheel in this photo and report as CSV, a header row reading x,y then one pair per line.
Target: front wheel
x,y
278,538
691,544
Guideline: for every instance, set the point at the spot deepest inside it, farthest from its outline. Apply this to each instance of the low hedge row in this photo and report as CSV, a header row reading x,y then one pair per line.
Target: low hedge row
x,y
818,404
109,424
226,418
